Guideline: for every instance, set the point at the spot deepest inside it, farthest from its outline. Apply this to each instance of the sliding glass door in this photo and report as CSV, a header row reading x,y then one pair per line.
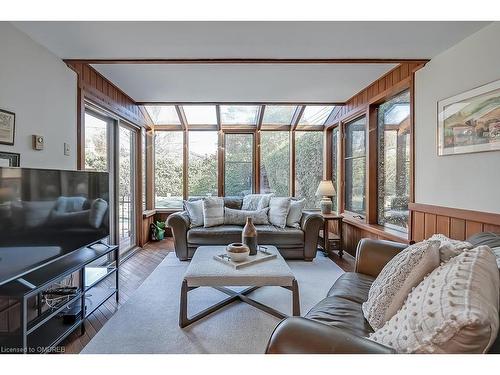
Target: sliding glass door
x,y
127,137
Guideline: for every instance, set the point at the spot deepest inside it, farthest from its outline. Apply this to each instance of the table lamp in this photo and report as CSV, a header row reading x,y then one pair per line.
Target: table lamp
x,y
326,190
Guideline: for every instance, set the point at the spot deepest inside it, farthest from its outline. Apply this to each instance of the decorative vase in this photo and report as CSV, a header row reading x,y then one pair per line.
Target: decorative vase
x,y
249,236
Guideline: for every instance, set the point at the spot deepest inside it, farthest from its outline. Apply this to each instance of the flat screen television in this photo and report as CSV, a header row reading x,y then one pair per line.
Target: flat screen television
x,y
47,214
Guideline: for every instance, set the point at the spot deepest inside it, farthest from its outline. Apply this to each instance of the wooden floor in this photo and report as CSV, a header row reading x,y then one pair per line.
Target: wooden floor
x,y
132,274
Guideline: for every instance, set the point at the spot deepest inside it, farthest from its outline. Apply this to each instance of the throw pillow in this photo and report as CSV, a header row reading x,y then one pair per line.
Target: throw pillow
x,y
295,213
278,211
195,212
239,217
213,211
406,270
449,248
252,202
98,210
454,310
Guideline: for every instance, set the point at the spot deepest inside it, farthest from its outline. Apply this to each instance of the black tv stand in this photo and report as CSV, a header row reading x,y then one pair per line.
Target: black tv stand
x,y
34,327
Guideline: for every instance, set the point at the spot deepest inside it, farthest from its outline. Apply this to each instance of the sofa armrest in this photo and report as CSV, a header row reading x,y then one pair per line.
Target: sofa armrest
x,y
373,255
304,336
311,223
179,223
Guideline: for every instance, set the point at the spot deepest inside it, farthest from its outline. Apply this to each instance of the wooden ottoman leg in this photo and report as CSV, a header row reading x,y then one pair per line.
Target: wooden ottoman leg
x,y
183,319
295,298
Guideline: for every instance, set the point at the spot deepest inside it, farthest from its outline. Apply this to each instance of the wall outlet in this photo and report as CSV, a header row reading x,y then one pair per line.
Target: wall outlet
x,y
38,142
67,149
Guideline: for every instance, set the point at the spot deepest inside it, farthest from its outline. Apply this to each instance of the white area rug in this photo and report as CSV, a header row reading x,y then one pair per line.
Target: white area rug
x,y
148,321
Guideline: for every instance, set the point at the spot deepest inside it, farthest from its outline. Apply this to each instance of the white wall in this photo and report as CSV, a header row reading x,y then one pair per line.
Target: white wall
x,y
39,88
468,181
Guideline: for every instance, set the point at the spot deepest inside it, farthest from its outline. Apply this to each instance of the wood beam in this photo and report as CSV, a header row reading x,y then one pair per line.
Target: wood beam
x,y
245,61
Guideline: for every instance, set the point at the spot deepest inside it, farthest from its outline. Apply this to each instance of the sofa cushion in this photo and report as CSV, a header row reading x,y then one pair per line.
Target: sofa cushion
x,y
194,210
454,310
403,272
239,217
219,235
485,238
225,234
233,202
271,235
295,212
342,307
252,202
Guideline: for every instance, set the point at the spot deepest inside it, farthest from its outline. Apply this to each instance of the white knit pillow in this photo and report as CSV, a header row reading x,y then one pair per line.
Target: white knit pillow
x,y
213,211
278,211
454,310
195,212
389,290
295,213
449,248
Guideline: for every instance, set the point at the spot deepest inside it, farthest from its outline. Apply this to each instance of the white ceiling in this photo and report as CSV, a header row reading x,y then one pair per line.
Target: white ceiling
x,y
116,40
246,82
242,82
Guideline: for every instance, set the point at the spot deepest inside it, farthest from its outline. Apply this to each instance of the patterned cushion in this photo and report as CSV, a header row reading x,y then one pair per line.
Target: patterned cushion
x,y
252,202
449,248
295,213
239,217
194,209
278,211
454,310
213,211
406,270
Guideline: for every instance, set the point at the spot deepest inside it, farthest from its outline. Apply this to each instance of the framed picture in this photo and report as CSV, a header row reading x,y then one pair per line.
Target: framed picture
x,y
7,127
470,122
9,159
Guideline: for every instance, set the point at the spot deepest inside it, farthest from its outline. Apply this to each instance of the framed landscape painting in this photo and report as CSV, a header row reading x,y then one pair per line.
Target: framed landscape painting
x,y
7,127
470,122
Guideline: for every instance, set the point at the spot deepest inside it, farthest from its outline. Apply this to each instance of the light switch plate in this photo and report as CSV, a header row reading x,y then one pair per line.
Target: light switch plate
x,y
67,149
38,142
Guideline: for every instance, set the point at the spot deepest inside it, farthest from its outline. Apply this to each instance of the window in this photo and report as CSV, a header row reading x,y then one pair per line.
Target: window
x,y
126,188
168,171
308,165
394,161
335,151
275,162
202,163
239,114
238,164
144,135
200,114
355,171
278,114
315,114
163,114
96,143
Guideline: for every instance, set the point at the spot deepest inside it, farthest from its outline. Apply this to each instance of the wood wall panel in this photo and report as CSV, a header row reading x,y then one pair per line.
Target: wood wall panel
x,y
390,81
454,223
429,225
443,225
102,92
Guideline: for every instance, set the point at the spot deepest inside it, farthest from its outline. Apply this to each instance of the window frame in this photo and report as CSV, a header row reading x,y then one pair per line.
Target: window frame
x,y
344,124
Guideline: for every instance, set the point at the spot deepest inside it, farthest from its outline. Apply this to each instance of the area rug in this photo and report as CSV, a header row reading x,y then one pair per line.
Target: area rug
x,y
148,321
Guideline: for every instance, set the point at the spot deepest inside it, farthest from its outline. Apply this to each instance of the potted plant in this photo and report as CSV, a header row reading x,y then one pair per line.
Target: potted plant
x,y
158,230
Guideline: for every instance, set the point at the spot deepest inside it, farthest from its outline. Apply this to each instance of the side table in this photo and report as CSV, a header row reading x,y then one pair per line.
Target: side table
x,y
335,238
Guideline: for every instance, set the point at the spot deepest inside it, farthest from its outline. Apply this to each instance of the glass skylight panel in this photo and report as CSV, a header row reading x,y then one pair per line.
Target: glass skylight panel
x,y
239,114
396,114
315,114
163,114
278,114
200,114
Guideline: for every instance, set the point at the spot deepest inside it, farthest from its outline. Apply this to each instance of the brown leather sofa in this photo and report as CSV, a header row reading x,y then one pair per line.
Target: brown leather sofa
x,y
293,243
336,325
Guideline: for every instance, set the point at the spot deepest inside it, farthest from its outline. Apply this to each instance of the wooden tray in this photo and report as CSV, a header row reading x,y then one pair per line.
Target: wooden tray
x,y
253,259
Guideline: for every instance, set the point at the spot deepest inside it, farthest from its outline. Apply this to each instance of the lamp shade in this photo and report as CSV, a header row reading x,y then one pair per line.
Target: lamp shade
x,y
325,188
